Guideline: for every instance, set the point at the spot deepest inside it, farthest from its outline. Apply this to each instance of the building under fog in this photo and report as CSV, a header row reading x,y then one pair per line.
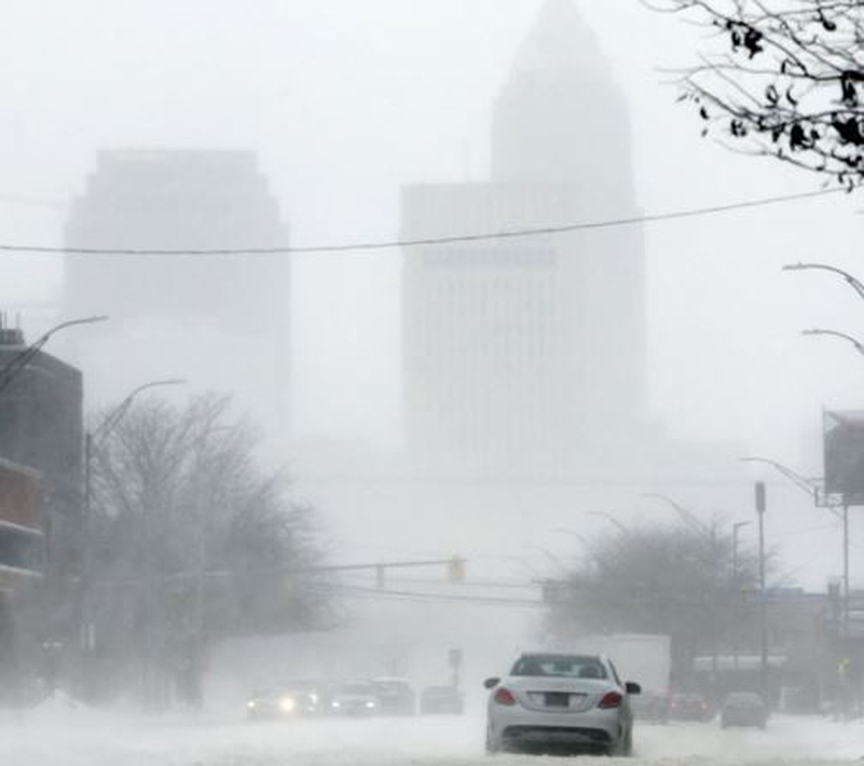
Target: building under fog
x,y
527,354
222,321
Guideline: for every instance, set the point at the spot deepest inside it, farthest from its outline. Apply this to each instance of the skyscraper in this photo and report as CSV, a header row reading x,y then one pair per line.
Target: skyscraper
x,y
222,321
526,354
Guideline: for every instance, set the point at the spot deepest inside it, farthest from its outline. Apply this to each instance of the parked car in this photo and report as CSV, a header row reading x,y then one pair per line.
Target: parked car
x,y
396,696
288,700
690,707
653,708
743,709
442,700
560,702
358,699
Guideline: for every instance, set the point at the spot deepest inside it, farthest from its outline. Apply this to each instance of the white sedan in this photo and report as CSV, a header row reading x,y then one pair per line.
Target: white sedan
x,y
560,702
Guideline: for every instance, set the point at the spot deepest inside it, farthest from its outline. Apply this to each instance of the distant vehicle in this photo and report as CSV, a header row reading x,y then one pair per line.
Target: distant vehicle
x,y
651,708
442,700
396,696
690,707
646,656
743,709
289,700
357,699
560,702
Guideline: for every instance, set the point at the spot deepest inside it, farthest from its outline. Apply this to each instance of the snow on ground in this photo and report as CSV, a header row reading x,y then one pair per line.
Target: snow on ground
x,y
60,736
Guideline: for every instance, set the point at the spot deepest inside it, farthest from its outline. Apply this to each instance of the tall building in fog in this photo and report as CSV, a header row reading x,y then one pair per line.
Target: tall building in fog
x,y
221,321
528,354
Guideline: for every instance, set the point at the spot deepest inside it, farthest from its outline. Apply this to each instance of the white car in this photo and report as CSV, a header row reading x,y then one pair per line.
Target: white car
x,y
560,702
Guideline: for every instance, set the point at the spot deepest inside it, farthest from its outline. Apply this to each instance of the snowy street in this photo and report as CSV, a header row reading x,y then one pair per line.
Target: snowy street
x,y
79,737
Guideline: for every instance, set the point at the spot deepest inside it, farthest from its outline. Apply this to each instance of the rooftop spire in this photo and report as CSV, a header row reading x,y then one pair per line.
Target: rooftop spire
x,y
560,40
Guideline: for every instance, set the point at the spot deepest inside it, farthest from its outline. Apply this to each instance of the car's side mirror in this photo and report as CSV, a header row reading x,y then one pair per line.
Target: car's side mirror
x,y
633,688
491,683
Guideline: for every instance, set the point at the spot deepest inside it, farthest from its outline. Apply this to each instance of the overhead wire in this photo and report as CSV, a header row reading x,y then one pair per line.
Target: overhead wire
x,y
360,246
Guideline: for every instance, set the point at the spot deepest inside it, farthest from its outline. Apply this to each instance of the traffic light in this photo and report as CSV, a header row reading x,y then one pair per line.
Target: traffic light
x,y
760,497
456,569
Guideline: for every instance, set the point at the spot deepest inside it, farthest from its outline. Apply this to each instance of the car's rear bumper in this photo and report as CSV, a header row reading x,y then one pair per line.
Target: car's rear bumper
x,y
518,727
526,736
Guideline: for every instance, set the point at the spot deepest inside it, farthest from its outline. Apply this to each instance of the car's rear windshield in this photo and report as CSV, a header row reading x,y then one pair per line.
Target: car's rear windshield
x,y
562,666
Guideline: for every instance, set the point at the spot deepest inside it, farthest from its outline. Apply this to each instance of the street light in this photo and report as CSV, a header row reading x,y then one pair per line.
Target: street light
x,y
19,362
811,487
102,430
859,347
854,283
805,485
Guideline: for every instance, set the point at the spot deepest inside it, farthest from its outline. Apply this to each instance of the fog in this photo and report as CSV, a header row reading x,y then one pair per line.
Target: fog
x,y
507,405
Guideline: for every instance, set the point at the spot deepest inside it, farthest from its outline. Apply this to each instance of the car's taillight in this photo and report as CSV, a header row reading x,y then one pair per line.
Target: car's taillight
x,y
611,700
504,697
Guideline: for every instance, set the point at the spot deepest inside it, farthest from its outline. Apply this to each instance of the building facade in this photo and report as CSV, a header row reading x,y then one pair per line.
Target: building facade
x,y
527,353
182,315
41,428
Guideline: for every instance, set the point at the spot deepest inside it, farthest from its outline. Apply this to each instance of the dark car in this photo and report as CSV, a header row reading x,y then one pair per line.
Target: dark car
x,y
396,696
690,707
743,709
442,700
651,708
289,700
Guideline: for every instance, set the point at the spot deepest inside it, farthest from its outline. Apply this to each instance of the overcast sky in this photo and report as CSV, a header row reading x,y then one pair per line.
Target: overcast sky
x,y
346,100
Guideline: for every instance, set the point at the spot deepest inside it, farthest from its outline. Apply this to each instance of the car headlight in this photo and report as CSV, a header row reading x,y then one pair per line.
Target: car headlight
x,y
251,704
370,704
287,704
336,704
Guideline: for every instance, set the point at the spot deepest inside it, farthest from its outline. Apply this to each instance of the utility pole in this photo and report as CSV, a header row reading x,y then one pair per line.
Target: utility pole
x,y
763,606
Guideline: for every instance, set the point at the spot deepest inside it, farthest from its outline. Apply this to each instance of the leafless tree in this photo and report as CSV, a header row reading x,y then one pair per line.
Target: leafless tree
x,y
785,79
676,580
192,541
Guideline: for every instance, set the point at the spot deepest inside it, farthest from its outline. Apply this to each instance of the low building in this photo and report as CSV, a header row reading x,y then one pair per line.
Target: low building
x,y
41,427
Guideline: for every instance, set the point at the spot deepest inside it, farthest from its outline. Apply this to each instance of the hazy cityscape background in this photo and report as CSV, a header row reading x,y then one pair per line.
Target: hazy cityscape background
x,y
344,105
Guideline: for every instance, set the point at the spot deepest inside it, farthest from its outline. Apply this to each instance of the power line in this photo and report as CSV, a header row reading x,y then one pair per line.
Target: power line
x,y
425,241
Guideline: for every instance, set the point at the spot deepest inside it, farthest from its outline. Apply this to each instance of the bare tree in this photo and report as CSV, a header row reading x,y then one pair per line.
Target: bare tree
x,y
789,83
192,542
677,581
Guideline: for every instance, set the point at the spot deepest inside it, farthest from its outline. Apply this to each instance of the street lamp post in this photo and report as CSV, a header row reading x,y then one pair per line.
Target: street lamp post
x,y
91,438
811,488
19,362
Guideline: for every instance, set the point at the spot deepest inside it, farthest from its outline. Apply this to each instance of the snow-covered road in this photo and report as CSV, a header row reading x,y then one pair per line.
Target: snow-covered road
x,y
61,738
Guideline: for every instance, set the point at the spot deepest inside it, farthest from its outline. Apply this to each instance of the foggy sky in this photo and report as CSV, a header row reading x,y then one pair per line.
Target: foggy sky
x,y
346,100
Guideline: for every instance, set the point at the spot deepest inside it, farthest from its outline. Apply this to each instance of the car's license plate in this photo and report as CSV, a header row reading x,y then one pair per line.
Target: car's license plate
x,y
557,699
